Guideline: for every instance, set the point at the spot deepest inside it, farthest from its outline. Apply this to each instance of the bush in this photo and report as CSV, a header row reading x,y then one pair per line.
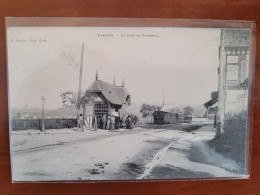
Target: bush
x,y
233,142
235,126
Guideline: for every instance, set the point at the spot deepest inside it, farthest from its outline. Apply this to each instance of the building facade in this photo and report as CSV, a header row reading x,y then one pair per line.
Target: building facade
x,y
102,98
233,71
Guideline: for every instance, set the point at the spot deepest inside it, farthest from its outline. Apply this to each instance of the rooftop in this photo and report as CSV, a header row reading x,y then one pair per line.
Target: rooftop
x,y
114,94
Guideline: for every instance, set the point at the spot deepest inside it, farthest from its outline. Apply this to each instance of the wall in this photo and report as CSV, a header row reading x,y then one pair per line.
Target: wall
x,y
22,124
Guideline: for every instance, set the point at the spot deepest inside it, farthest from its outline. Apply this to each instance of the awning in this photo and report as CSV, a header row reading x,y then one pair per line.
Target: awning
x,y
210,102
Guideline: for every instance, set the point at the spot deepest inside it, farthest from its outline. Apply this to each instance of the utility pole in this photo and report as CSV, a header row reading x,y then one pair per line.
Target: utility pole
x,y
163,96
79,91
43,124
221,85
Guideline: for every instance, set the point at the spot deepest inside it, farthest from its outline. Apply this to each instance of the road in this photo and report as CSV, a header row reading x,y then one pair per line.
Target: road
x,y
66,155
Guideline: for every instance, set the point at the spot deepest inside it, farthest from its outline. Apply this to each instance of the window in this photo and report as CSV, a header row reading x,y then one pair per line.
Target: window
x,y
232,59
100,109
244,71
232,72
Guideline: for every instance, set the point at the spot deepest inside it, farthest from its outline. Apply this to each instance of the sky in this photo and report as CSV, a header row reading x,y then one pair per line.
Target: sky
x,y
45,61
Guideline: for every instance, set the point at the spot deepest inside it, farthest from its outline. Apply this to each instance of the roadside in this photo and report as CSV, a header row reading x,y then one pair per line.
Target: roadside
x,y
140,153
188,127
83,155
190,157
31,140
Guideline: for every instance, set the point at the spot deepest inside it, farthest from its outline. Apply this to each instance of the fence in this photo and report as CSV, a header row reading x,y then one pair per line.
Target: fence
x,y
59,123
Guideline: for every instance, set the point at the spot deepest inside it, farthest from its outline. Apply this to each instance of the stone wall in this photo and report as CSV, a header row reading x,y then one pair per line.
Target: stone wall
x,y
23,124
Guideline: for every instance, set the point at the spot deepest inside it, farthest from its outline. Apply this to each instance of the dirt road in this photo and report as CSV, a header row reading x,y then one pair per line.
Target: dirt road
x,y
104,155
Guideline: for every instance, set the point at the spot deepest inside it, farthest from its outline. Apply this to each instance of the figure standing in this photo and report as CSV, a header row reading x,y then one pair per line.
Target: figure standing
x,y
94,122
108,122
104,120
81,121
112,123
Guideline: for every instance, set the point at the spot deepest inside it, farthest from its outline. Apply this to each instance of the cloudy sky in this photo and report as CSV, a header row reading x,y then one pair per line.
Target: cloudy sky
x,y
44,61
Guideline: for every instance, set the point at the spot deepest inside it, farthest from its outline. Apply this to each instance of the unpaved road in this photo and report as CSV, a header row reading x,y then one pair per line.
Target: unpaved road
x,y
65,155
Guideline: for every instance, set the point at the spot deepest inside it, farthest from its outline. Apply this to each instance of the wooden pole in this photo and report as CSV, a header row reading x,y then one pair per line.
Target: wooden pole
x,y
79,90
221,85
163,96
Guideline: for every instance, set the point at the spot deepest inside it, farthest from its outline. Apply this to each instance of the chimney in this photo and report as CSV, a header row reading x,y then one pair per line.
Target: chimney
x,y
96,75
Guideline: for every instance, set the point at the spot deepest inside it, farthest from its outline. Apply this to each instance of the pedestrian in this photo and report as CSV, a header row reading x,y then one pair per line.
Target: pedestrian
x,y
94,122
136,120
112,123
123,121
117,122
81,121
104,120
108,122
215,122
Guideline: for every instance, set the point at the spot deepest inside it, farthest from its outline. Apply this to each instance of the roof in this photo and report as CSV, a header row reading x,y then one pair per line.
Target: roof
x,y
114,94
213,100
210,102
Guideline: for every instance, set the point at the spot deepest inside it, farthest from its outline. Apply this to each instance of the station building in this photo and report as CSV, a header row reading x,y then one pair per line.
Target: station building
x,y
104,98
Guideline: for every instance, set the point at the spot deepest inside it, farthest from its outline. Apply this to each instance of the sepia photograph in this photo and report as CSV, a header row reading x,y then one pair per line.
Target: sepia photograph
x,y
128,103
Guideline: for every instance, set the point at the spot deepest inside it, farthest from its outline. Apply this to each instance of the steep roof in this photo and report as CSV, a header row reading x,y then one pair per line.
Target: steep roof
x,y
114,94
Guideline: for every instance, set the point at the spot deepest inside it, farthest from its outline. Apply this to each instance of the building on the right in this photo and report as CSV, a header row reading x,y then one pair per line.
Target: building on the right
x,y
233,72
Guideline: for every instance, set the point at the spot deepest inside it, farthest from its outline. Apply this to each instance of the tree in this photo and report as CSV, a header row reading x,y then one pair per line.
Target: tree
x,y
70,98
71,60
148,110
145,110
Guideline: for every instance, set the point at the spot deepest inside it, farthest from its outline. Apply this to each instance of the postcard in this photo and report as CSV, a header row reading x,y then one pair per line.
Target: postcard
x,y
111,103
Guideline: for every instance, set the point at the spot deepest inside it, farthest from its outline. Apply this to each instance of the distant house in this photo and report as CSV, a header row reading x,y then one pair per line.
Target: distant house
x,y
105,98
212,106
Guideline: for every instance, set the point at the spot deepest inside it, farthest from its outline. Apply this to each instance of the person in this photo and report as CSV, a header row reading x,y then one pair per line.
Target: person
x,y
129,122
94,122
112,125
81,121
215,122
104,120
117,122
136,120
108,122
123,120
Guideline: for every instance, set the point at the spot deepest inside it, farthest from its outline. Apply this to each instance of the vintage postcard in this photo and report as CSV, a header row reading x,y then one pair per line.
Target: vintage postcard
x,y
91,103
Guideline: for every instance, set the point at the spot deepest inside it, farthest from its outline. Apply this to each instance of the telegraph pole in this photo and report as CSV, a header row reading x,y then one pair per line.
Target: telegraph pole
x,y
79,90
163,96
43,124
